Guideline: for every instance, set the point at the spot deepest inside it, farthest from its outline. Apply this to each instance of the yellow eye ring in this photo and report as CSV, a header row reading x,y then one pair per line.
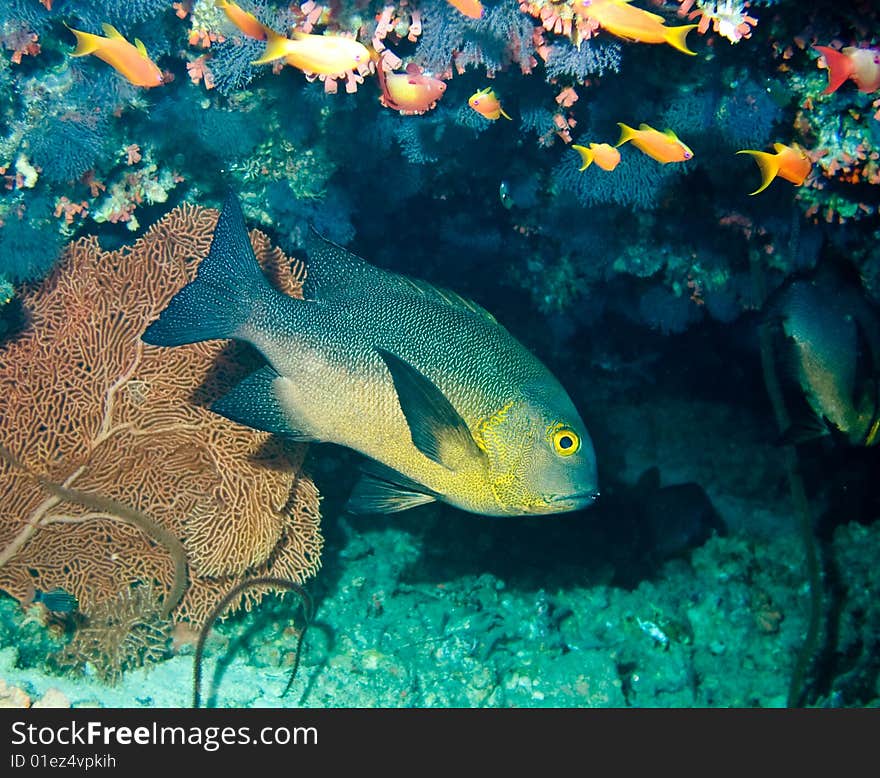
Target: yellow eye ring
x,y
565,441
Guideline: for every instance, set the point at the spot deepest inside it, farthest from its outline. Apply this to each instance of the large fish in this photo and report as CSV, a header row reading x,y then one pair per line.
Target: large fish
x,y
427,384
832,349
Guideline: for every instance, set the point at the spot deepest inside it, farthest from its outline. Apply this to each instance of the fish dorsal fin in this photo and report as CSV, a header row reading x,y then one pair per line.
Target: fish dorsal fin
x,y
670,134
646,128
436,428
142,50
334,272
111,32
447,296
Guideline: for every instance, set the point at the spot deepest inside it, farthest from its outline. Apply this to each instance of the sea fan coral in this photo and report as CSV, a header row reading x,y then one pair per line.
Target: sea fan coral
x,y
502,36
122,14
746,116
119,634
636,181
128,424
65,147
230,64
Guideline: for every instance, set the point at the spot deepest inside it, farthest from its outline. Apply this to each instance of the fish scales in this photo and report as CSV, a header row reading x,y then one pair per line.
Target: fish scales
x,y
425,383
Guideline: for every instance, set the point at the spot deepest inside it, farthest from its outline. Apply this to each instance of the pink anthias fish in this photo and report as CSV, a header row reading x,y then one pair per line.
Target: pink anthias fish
x,y
861,65
411,92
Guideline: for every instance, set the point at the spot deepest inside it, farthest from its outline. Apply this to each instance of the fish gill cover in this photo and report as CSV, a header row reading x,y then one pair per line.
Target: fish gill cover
x,y
585,266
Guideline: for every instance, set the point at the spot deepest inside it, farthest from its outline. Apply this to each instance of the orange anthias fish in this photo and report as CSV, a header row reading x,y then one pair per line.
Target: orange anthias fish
x,y
131,60
485,102
789,162
633,24
326,55
604,155
664,146
411,92
861,65
472,8
246,22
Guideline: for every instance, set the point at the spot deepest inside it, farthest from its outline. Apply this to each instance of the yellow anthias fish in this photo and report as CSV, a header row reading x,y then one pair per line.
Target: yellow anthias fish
x,y
427,384
633,24
664,146
131,60
485,102
789,162
604,155
471,8
246,22
325,55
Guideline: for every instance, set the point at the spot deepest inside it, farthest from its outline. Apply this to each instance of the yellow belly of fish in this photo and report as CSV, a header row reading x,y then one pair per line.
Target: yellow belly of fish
x,y
359,411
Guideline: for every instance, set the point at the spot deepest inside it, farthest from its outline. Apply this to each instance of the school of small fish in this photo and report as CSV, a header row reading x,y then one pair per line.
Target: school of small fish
x,y
413,91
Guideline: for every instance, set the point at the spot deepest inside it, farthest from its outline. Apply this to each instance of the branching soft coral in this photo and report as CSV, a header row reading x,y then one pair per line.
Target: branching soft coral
x,y
504,35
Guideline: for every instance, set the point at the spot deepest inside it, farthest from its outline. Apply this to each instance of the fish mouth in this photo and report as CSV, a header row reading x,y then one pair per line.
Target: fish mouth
x,y
574,501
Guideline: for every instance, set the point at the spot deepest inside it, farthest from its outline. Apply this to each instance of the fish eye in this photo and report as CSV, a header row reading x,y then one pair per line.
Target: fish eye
x,y
566,441
688,155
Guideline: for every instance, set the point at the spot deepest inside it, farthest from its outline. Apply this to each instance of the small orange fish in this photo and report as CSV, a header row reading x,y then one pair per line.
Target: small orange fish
x,y
246,22
326,55
472,8
861,65
605,156
664,146
789,162
131,60
633,24
411,92
485,102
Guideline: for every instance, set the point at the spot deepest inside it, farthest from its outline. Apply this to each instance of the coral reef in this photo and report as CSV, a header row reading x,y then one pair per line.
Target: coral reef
x,y
497,210
118,635
116,420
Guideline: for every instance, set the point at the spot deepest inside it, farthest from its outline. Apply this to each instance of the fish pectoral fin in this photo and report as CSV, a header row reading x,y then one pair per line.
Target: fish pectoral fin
x,y
254,403
437,429
805,426
382,489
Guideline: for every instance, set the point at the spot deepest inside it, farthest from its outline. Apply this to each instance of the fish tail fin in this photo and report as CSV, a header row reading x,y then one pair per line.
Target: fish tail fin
x,y
276,47
677,38
840,67
586,156
219,302
86,42
504,114
767,163
627,133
